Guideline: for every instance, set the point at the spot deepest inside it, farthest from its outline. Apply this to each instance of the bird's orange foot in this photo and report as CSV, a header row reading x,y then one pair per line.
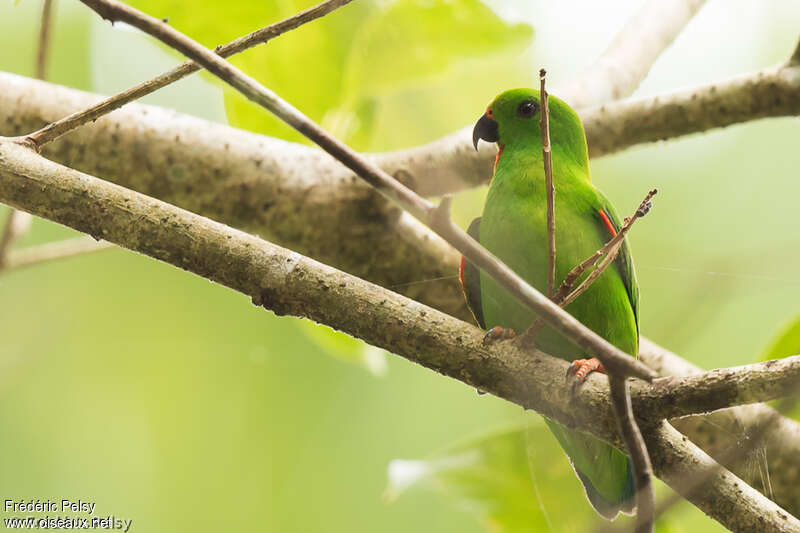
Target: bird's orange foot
x,y
498,333
580,368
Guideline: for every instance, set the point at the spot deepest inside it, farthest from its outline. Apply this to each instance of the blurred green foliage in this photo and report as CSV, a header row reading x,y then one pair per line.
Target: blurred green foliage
x,y
785,344
172,401
507,478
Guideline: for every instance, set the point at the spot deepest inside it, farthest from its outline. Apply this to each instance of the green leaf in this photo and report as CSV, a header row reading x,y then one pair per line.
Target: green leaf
x,y
376,74
345,347
784,344
421,68
355,70
515,480
411,40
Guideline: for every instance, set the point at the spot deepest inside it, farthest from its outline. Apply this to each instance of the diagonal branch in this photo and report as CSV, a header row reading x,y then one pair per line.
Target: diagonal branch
x,y
289,283
614,360
52,251
56,129
17,224
449,164
627,60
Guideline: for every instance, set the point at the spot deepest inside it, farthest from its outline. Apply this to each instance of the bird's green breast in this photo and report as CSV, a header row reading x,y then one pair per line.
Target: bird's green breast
x,y
514,228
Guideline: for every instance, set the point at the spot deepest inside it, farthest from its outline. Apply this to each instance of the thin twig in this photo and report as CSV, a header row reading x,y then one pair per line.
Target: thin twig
x,y
547,159
51,251
53,131
17,224
44,39
637,451
611,249
614,360
565,294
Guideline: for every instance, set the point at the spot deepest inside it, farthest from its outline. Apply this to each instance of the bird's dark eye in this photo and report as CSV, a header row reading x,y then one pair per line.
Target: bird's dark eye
x,y
527,109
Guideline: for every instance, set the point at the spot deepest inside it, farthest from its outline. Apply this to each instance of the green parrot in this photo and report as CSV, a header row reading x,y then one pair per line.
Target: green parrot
x,y
514,228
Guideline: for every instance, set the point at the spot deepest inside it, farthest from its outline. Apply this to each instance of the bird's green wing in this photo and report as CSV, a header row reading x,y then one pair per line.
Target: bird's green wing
x,y
607,216
470,278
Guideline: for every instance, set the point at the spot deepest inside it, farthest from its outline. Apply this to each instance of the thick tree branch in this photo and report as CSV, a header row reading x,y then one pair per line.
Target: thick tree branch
x,y
768,93
719,432
687,462
627,60
60,127
450,164
291,194
289,283
614,360
674,396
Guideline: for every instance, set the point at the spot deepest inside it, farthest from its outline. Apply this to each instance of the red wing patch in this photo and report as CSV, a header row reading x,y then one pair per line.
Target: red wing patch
x,y
461,268
607,222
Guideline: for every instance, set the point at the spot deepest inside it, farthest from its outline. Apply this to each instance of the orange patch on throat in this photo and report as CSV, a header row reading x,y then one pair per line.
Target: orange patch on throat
x,y
497,158
608,223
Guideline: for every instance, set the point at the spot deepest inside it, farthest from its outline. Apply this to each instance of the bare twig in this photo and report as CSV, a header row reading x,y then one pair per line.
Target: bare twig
x,y
289,283
610,250
44,39
637,451
614,360
56,129
17,224
627,60
51,251
565,294
547,161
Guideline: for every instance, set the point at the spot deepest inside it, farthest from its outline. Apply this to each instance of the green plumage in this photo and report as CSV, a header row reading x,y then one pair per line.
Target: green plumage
x,y
514,228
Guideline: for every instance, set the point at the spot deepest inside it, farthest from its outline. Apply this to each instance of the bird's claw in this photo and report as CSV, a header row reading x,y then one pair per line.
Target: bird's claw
x,y
498,333
580,368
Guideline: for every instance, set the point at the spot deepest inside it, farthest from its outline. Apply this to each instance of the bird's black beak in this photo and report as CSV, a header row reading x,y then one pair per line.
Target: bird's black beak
x,y
486,129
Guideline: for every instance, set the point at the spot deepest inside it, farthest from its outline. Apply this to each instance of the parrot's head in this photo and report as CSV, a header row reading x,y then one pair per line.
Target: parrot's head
x,y
512,121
